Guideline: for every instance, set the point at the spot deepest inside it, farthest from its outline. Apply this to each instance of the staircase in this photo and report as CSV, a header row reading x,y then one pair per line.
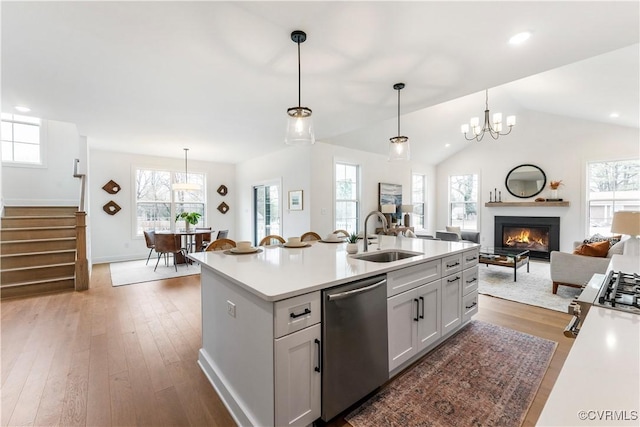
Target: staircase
x,y
38,250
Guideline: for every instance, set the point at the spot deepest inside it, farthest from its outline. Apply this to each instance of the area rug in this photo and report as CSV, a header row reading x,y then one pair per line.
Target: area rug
x,y
533,288
130,272
485,375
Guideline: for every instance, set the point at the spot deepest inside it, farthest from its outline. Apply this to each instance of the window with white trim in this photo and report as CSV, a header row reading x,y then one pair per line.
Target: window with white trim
x,y
418,191
463,201
347,208
21,139
157,204
611,186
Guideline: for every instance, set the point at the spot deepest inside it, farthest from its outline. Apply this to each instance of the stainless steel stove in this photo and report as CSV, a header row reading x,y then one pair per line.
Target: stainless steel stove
x,y
616,290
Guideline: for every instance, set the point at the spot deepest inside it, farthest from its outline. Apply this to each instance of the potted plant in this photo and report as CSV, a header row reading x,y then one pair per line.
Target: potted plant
x,y
352,243
190,218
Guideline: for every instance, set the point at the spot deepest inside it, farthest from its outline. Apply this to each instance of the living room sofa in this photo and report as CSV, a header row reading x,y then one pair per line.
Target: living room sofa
x,y
465,236
576,270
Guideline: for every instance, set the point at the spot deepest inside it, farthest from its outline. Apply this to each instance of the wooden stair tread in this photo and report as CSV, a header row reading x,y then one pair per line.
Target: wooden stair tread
x,y
53,239
53,227
37,282
34,267
60,251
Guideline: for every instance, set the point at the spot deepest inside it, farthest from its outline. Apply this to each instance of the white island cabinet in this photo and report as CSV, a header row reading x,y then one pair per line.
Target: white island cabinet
x,y
262,325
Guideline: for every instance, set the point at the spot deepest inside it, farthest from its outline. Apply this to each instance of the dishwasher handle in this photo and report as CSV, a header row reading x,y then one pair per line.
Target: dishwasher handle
x,y
347,294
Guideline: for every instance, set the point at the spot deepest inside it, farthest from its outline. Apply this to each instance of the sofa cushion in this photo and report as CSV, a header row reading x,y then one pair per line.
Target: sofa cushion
x,y
598,249
454,230
600,238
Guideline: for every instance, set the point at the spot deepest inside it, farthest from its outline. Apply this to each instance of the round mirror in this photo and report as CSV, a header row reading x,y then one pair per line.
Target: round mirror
x,y
525,181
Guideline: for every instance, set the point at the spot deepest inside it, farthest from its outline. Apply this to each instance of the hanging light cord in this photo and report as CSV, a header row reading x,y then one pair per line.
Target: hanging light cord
x,y
398,112
299,75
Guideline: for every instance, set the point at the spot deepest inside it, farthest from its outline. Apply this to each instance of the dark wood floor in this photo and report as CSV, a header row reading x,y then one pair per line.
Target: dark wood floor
x,y
127,355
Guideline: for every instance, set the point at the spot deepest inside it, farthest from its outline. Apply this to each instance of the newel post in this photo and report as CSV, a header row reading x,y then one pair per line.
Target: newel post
x,y
82,265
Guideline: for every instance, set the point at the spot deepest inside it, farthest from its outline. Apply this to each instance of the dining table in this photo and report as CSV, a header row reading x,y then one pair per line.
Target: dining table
x,y
191,241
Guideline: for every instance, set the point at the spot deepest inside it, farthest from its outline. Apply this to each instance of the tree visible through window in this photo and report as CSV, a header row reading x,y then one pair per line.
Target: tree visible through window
x,y
21,139
347,197
612,186
157,204
463,201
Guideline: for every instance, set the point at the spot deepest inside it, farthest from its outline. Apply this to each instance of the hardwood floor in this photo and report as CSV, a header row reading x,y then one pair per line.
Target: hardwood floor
x,y
127,355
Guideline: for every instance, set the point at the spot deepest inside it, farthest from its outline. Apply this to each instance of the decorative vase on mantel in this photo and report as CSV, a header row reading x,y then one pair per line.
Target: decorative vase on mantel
x,y
554,194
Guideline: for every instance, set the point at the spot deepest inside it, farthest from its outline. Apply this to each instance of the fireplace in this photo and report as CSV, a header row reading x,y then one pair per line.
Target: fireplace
x,y
539,234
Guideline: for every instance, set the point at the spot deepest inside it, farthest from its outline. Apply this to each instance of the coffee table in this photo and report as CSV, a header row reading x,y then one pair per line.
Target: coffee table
x,y
505,257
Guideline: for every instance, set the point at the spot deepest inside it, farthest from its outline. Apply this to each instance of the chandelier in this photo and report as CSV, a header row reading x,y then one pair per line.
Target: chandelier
x,y
299,124
185,186
399,145
494,128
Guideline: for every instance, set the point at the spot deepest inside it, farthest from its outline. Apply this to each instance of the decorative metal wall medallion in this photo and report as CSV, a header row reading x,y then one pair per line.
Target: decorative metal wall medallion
x,y
222,190
111,187
111,208
223,207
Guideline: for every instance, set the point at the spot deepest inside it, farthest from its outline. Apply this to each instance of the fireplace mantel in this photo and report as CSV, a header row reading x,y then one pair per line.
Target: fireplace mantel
x,y
525,204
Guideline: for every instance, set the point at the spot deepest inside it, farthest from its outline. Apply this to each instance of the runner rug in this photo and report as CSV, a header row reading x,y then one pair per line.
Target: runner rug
x,y
485,375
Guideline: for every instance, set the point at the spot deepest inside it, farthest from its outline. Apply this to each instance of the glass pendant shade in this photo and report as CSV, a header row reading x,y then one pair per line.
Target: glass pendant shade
x,y
185,186
299,127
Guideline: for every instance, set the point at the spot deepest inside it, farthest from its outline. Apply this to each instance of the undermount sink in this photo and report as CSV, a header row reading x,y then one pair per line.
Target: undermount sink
x,y
386,256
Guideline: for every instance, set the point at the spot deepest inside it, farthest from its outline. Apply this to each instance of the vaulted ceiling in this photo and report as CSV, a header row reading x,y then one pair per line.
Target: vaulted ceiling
x,y
218,77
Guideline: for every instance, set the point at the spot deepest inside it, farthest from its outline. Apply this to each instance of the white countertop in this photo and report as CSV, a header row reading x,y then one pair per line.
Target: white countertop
x,y
599,384
277,272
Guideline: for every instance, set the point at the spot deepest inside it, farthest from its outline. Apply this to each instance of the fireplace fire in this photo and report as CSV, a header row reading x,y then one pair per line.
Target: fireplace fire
x,y
536,239
540,235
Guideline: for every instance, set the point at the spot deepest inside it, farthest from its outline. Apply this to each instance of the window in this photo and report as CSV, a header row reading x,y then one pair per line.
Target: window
x,y
21,139
347,197
266,210
417,200
463,201
612,186
157,205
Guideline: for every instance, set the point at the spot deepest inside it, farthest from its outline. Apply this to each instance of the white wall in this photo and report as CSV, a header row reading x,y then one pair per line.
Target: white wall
x,y
53,183
113,236
311,169
560,146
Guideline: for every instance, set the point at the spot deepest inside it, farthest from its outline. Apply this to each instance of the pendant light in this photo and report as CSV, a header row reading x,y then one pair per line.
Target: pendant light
x,y
299,124
185,186
399,145
493,128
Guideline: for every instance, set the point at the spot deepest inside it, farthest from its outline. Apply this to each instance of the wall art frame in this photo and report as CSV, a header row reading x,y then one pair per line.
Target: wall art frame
x,y
296,202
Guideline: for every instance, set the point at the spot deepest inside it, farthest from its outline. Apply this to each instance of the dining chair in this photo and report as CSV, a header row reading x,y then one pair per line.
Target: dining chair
x,y
345,233
272,239
221,245
310,236
149,239
202,239
168,243
222,234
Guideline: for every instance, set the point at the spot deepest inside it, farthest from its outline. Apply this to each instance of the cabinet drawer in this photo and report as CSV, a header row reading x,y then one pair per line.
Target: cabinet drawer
x,y
451,264
469,305
470,258
469,280
296,313
408,278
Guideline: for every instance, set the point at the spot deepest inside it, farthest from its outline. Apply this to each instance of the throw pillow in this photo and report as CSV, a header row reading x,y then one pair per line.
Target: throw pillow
x,y
600,238
598,249
454,230
617,249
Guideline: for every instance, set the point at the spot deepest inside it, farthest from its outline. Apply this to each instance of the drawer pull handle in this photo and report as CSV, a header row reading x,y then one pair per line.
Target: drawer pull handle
x,y
417,310
304,313
422,300
453,265
455,279
471,259
471,306
317,368
472,280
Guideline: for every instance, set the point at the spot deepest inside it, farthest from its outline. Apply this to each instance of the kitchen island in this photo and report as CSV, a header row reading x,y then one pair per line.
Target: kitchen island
x,y
261,317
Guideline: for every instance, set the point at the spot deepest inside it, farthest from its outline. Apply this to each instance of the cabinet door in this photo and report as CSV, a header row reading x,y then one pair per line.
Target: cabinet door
x,y
297,377
469,306
429,324
451,302
469,280
402,320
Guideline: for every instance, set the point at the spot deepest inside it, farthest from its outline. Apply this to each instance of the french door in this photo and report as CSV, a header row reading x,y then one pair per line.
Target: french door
x,y
266,211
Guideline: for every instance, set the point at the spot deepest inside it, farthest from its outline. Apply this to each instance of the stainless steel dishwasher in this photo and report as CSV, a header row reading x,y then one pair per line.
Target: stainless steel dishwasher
x,y
354,343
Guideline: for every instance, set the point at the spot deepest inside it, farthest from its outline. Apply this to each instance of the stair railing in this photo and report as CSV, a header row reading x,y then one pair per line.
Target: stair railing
x,y
82,264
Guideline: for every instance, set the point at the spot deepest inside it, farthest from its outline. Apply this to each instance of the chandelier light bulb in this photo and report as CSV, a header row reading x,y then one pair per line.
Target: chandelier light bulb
x,y
497,118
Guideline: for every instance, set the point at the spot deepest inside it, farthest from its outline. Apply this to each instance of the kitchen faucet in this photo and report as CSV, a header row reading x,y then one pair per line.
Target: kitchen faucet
x,y
365,244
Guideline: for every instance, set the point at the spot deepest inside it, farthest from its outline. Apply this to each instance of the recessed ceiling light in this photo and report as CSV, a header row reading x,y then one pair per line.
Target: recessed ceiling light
x,y
22,108
447,145
614,115
520,37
